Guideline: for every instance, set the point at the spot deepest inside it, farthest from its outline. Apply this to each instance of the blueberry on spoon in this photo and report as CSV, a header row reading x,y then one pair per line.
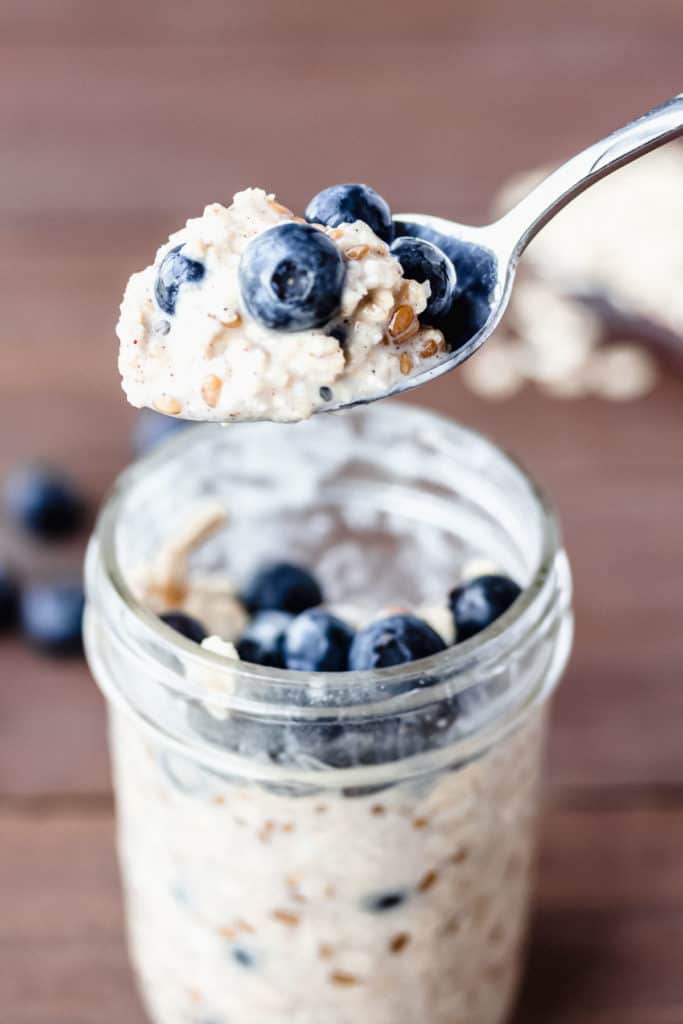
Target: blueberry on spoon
x,y
291,277
344,204
174,271
422,261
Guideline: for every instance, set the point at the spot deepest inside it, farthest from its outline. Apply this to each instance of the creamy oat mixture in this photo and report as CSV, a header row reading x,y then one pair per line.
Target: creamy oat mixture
x,y
241,909
211,360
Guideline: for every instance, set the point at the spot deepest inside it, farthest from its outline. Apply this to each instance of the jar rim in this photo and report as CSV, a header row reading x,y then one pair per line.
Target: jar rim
x,y
459,663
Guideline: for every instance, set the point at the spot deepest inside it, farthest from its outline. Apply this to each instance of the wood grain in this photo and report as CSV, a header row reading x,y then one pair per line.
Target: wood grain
x,y
120,120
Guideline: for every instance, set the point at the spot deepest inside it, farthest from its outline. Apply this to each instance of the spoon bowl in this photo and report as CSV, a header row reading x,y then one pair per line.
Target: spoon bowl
x,y
486,258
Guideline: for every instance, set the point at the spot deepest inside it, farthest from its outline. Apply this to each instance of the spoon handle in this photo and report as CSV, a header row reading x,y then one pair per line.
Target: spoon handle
x,y
533,212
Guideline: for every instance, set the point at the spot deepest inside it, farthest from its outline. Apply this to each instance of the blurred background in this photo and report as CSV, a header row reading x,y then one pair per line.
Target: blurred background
x,y
119,121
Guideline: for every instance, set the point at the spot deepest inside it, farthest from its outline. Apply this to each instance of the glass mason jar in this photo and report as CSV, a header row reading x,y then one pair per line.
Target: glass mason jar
x,y
328,848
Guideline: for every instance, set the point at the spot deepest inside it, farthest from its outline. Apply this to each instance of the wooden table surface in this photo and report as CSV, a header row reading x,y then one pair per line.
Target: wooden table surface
x,y
118,121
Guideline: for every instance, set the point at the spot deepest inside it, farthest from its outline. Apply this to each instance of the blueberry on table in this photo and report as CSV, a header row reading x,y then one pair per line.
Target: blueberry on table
x,y
174,271
479,602
344,204
152,427
281,586
43,501
393,641
51,617
423,261
9,598
262,642
318,641
184,624
291,277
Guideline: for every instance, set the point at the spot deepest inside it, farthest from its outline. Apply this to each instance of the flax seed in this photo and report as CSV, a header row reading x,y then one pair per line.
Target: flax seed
x,y
401,320
279,208
427,881
287,917
357,252
405,363
399,942
344,978
430,349
169,406
211,390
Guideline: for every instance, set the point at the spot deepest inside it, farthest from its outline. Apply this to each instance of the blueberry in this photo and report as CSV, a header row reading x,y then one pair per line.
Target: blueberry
x,y
479,602
9,598
393,641
262,642
476,271
318,641
174,270
291,277
283,587
44,501
184,624
339,332
51,617
152,427
242,957
344,204
423,261
380,902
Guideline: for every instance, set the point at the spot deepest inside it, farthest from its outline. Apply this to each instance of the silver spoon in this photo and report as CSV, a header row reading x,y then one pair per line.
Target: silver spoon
x,y
487,257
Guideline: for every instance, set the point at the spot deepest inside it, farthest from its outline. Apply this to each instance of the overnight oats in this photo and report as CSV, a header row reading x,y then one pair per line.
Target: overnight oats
x,y
252,313
328,653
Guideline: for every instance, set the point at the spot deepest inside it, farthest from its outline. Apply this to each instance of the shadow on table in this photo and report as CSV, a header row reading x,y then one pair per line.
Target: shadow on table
x,y
566,967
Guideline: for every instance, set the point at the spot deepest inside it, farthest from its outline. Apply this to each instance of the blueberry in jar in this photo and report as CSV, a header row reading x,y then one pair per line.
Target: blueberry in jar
x,y
44,501
51,617
291,277
281,586
184,624
423,261
394,640
263,640
318,641
174,271
381,902
344,204
479,602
